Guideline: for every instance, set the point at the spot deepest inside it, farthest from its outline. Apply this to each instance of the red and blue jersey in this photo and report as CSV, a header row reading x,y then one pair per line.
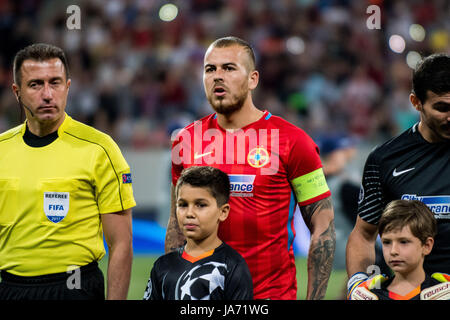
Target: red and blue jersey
x,y
273,166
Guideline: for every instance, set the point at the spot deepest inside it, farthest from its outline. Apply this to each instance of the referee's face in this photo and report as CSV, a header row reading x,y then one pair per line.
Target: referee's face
x,y
43,93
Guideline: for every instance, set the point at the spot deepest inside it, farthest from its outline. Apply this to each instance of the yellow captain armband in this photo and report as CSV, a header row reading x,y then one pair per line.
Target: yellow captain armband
x,y
310,185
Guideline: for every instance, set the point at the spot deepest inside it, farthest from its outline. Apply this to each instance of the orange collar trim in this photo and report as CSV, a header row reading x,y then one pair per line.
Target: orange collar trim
x,y
192,259
408,296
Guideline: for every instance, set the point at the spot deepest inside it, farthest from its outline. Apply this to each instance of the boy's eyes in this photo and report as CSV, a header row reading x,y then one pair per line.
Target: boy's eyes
x,y
402,241
199,204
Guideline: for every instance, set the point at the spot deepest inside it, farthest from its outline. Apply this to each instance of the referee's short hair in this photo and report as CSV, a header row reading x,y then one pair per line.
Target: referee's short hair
x,y
412,213
215,180
38,52
431,74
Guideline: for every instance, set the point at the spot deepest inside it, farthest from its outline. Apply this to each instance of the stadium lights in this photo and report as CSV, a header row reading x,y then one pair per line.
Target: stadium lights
x,y
417,32
397,43
168,12
295,45
412,58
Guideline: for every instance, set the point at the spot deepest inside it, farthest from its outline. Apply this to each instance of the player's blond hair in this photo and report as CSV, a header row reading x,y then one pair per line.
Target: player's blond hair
x,y
235,41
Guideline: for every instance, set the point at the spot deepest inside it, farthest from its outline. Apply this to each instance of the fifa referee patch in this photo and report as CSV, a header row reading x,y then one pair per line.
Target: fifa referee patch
x,y
126,178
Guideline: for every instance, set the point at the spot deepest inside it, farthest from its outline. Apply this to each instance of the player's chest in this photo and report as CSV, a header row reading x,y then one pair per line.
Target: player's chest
x,y
254,162
422,176
426,170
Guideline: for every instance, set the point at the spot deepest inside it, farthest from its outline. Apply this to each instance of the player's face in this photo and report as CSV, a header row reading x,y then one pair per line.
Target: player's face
x,y
435,116
403,252
43,89
198,214
227,79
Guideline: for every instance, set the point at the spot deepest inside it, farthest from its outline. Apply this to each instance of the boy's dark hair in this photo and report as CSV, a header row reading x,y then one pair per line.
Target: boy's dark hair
x,y
38,52
412,213
431,73
215,180
232,41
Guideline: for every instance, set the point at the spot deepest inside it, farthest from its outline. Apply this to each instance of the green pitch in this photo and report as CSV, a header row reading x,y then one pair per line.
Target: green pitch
x,y
142,265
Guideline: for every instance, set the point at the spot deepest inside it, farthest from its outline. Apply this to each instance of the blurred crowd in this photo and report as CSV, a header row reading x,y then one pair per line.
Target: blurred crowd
x,y
138,78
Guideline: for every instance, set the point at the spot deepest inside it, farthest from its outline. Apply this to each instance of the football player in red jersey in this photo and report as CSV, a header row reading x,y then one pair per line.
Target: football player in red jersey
x,y
272,166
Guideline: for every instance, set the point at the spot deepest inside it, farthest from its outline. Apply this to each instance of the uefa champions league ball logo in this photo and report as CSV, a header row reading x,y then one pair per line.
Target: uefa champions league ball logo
x,y
201,282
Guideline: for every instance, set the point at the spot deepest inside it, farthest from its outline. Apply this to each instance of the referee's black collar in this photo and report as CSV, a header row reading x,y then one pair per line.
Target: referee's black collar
x,y
36,141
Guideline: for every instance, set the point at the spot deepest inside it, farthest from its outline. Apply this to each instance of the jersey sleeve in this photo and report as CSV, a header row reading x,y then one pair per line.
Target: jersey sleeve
x,y
305,170
112,179
239,284
371,201
181,153
153,290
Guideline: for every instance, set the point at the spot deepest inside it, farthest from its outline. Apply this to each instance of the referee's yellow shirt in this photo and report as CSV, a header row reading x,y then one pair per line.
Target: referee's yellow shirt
x,y
51,198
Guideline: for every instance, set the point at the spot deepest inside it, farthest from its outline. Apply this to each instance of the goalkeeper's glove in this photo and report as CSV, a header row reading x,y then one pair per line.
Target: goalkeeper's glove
x,y
440,291
360,284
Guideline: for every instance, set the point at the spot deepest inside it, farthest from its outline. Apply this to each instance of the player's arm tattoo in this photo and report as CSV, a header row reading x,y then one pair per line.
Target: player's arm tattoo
x,y
308,211
321,255
174,236
321,250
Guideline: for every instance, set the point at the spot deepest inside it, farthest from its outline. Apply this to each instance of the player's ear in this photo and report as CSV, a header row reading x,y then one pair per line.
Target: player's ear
x,y
253,79
224,211
428,246
415,102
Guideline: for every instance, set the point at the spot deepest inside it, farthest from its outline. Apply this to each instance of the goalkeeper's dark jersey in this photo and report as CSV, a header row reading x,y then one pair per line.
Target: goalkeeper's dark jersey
x,y
384,294
408,167
221,274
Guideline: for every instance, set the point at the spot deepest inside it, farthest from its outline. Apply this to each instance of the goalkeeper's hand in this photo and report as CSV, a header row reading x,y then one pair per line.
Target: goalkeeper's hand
x,y
360,284
440,291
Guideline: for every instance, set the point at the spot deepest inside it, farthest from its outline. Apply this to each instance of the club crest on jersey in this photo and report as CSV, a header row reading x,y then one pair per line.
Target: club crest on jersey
x,y
258,157
56,205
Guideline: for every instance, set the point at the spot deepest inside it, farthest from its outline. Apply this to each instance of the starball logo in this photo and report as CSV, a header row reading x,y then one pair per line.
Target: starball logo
x,y
256,148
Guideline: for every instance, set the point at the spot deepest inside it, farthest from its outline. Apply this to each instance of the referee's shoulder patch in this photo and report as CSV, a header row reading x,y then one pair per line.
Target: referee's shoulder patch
x,y
126,178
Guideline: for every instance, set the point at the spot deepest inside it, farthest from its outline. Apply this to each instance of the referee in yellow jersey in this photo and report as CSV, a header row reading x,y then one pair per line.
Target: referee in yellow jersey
x,y
63,185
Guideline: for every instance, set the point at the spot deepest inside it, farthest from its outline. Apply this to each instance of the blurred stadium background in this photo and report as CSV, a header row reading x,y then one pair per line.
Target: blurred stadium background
x,y
136,69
